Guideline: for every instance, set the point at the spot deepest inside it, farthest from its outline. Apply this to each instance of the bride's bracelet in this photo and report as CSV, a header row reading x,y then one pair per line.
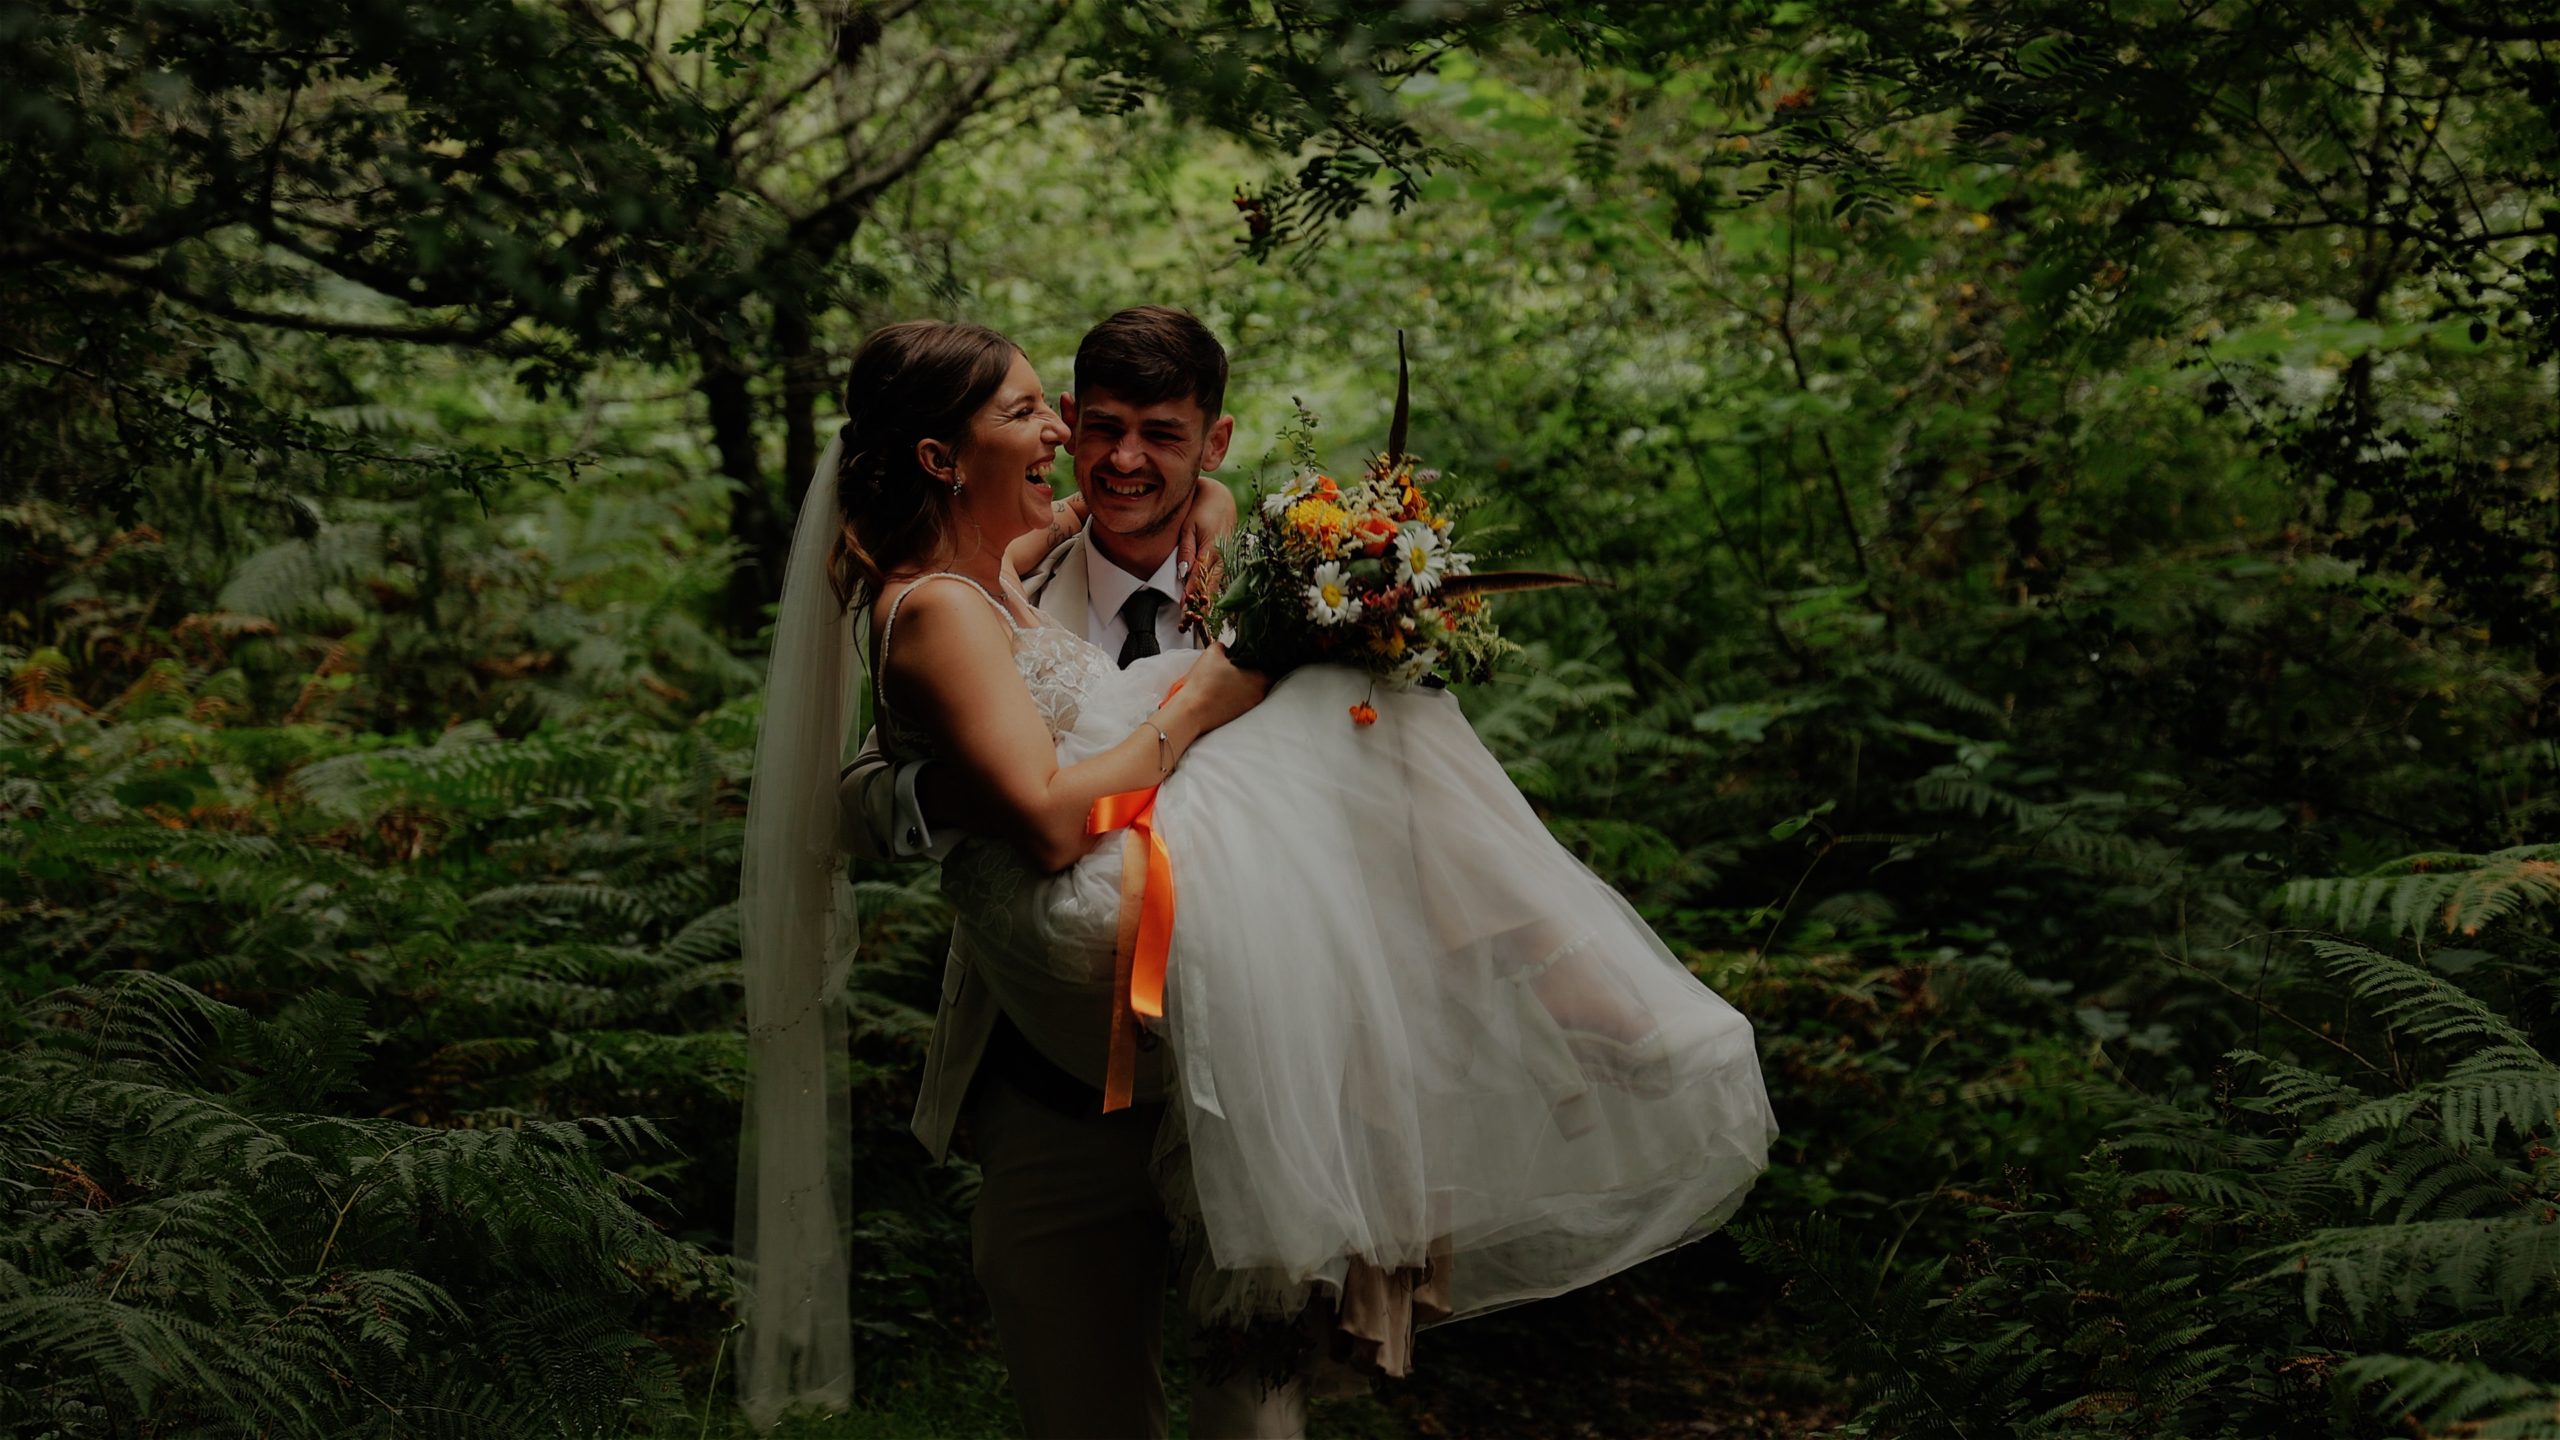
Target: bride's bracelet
x,y
1164,748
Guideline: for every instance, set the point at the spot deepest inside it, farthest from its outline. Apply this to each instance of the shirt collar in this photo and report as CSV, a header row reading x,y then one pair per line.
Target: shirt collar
x,y
1109,586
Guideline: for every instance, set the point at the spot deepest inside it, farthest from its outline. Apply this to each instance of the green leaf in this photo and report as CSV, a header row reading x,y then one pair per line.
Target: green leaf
x,y
1787,827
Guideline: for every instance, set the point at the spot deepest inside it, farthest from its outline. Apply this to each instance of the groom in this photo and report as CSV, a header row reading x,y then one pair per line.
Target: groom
x,y
1069,1234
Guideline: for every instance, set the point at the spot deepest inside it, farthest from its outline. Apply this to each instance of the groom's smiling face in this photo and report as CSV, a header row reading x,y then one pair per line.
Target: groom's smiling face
x,y
1137,465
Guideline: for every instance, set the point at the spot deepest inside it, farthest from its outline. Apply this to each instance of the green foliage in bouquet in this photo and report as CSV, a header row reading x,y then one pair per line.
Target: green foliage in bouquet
x,y
1367,574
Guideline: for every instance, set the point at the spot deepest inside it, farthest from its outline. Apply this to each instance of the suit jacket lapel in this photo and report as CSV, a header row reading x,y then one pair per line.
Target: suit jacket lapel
x,y
1058,586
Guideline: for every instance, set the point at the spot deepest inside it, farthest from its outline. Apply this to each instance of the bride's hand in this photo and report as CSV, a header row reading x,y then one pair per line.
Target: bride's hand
x,y
1220,689
1206,523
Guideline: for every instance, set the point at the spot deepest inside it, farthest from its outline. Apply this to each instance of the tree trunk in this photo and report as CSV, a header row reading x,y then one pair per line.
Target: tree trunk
x,y
755,581
804,379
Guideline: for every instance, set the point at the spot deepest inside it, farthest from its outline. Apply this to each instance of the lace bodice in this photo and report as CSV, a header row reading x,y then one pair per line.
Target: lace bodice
x,y
1055,663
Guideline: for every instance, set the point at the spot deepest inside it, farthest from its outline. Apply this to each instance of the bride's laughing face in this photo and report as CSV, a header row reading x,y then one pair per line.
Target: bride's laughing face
x,y
1004,468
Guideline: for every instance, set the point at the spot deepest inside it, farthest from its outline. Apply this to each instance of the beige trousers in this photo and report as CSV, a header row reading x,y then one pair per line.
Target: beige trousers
x,y
1070,1245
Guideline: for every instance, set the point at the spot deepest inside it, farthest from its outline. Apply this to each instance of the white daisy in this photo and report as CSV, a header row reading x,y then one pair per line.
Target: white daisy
x,y
1298,488
1330,599
1416,664
1422,557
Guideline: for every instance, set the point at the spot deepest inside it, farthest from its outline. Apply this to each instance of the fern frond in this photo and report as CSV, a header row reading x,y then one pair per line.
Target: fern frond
x,y
2469,1265
2484,1094
299,579
209,1260
2295,1090
1928,681
2420,1002
2525,1342
135,1015
2460,892
2454,1399
607,900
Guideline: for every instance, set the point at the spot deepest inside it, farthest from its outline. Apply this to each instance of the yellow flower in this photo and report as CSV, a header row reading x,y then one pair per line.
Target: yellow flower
x,y
1319,520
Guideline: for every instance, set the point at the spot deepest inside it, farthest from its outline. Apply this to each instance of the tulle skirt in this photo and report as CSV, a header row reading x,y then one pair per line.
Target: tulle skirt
x,y
1408,1030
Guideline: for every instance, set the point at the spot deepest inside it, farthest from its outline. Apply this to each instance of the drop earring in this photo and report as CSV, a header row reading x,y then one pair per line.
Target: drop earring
x,y
955,489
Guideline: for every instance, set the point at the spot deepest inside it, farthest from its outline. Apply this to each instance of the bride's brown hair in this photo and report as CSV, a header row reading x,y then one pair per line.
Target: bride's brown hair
x,y
912,382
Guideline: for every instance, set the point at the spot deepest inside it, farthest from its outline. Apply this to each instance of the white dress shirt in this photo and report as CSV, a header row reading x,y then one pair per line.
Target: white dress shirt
x,y
1108,587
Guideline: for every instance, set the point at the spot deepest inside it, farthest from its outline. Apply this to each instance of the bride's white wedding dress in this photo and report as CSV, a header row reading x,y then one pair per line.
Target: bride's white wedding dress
x,y
1410,1033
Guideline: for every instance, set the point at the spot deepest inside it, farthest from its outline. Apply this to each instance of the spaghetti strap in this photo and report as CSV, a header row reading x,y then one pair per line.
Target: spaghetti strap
x,y
888,623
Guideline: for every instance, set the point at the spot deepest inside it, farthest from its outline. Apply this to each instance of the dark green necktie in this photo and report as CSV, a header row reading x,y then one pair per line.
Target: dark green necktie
x,y
1138,612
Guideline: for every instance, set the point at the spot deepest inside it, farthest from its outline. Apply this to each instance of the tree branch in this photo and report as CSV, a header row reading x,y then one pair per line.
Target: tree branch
x,y
883,15
775,104
2461,24
252,440
849,192
187,222
651,65
477,336
1822,437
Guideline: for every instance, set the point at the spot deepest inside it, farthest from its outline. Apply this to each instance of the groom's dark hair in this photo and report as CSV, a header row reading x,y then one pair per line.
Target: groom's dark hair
x,y
1148,354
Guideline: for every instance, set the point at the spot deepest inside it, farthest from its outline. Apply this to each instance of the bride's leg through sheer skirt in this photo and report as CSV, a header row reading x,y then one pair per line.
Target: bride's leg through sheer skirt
x,y
1412,1030
1423,1060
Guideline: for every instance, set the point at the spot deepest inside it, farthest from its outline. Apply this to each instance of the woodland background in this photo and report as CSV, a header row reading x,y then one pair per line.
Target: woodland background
x,y
2079,485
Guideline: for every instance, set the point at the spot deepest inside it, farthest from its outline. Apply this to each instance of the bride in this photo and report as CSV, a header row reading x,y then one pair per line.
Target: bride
x,y
1422,1060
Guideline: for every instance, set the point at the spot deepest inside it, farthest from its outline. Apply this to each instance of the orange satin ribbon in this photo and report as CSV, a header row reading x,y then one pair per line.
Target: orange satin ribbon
x,y
1146,932
1145,940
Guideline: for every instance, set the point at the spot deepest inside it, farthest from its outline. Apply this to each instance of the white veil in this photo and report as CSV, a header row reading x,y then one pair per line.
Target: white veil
x,y
797,926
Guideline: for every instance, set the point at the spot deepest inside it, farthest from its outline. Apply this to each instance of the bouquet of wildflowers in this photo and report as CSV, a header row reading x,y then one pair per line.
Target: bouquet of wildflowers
x,y
1367,573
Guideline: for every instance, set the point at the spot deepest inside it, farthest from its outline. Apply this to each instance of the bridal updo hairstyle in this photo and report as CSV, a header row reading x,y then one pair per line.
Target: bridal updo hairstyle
x,y
912,382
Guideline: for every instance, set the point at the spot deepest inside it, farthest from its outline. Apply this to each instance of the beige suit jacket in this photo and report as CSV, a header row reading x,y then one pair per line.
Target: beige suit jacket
x,y
867,803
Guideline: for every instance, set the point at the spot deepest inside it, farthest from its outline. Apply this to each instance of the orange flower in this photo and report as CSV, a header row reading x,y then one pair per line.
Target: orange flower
x,y
1326,488
1364,713
1376,533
